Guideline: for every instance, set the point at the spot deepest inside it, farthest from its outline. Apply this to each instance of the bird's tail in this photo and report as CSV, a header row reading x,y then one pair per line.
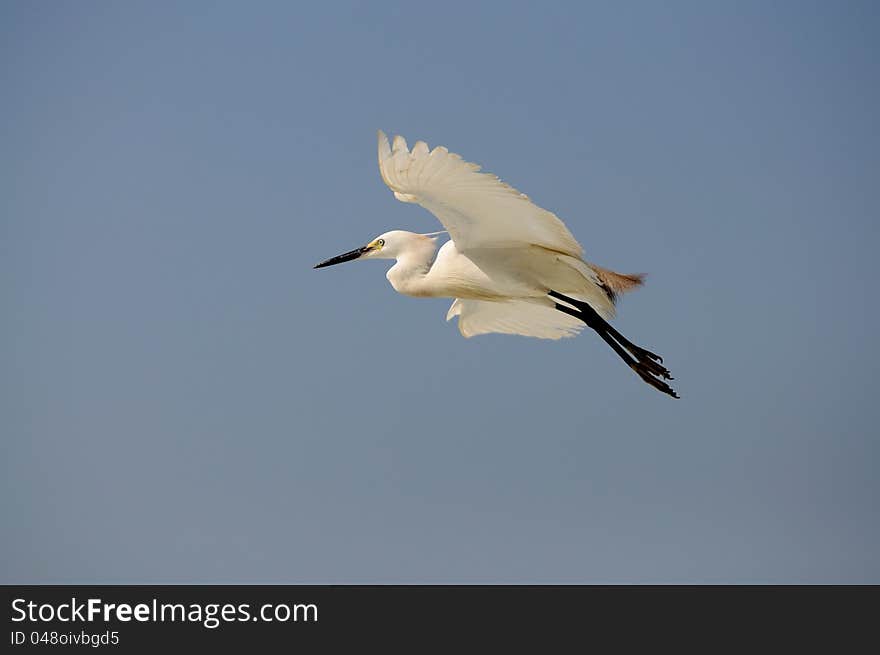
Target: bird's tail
x,y
614,283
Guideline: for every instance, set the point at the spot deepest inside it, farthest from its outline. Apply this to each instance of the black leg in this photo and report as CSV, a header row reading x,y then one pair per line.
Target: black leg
x,y
591,317
645,362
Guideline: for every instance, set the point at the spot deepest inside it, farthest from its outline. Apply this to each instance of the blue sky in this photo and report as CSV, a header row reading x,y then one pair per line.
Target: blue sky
x,y
185,400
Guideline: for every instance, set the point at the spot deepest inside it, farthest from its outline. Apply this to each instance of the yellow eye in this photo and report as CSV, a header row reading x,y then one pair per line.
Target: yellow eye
x,y
380,242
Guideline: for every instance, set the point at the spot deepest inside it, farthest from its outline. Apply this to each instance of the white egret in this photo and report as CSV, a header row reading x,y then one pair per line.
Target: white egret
x,y
511,266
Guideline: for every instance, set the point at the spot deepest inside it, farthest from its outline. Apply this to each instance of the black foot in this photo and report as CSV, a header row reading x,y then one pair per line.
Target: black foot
x,y
650,361
641,352
648,365
645,373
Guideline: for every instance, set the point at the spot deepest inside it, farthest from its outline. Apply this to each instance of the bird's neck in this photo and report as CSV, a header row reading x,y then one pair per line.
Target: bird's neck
x,y
407,276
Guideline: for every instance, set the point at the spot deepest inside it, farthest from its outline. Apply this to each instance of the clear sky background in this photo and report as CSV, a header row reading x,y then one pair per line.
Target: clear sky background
x,y
185,400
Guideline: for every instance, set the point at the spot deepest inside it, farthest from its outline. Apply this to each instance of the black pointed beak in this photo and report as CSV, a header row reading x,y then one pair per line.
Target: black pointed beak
x,y
344,257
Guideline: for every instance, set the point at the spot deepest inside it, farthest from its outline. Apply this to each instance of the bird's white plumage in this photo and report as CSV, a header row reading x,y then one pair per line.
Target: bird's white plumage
x,y
506,252
477,209
529,317
511,266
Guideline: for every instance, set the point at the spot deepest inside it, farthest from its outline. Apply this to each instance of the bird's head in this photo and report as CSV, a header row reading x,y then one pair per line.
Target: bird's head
x,y
390,245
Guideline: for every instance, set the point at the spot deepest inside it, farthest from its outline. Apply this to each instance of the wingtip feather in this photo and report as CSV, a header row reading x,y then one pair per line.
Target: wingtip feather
x,y
399,145
384,147
420,149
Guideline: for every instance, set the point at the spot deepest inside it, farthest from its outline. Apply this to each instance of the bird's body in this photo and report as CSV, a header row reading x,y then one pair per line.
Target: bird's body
x,y
511,266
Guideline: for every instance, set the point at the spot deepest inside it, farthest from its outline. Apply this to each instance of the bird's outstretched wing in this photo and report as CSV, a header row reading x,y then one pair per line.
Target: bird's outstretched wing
x,y
527,317
477,209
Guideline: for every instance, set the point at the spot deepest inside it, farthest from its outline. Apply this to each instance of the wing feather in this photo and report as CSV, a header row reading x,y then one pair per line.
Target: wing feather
x,y
477,208
525,317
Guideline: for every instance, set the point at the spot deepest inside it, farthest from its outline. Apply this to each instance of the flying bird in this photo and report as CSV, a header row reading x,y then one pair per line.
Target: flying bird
x,y
510,265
